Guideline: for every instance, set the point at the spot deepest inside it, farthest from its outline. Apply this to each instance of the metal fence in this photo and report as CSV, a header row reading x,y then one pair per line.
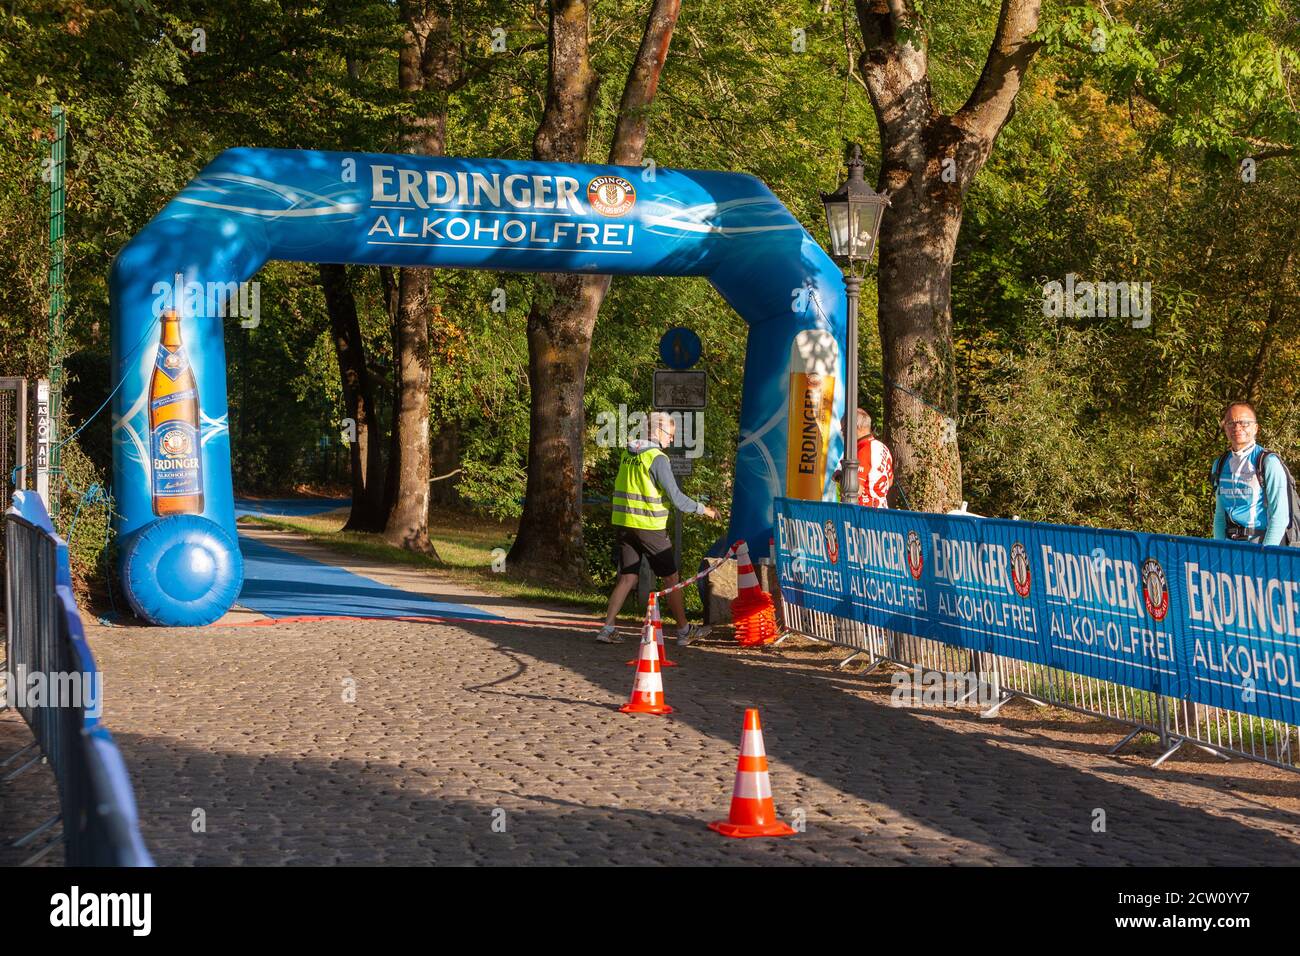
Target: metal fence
x,y
13,437
44,636
13,440
999,680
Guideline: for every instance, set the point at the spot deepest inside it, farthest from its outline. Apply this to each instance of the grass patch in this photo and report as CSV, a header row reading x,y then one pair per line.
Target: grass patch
x,y
465,543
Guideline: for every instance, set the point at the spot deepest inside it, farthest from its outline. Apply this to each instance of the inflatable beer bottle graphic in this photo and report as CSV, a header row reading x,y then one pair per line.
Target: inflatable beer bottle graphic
x,y
810,412
177,465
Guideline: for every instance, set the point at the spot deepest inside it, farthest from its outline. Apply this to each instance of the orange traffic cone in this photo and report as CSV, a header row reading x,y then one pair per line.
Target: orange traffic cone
x,y
752,811
652,614
648,686
752,613
659,639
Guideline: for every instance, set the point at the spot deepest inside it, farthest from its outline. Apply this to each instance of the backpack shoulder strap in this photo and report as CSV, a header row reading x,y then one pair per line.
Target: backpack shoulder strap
x,y
1287,478
1259,469
1217,473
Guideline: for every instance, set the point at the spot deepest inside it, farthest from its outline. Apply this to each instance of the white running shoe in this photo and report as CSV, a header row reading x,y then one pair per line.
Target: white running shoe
x,y
691,633
608,635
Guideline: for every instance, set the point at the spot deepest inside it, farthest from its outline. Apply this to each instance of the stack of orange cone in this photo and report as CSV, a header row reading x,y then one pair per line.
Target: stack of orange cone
x,y
652,614
648,685
752,812
752,613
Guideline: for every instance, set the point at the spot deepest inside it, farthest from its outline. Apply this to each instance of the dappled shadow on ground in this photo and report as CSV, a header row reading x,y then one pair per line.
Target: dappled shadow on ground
x,y
314,811
962,784
877,784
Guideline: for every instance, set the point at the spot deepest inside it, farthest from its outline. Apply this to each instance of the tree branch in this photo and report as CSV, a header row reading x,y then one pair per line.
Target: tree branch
x,y
484,67
1274,152
992,100
628,145
895,68
571,85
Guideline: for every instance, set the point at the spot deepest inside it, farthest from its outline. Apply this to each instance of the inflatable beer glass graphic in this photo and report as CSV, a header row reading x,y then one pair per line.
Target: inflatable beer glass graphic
x,y
811,409
176,467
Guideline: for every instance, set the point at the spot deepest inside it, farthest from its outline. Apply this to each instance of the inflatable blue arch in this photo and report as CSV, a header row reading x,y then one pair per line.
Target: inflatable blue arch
x,y
179,559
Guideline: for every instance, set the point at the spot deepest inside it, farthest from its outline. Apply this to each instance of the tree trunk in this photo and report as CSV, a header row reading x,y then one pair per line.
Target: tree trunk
x,y
388,281
549,542
928,161
917,243
425,64
358,398
408,521
561,320
1275,305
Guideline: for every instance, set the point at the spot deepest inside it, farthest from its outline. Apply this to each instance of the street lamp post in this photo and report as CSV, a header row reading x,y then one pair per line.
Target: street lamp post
x,y
853,214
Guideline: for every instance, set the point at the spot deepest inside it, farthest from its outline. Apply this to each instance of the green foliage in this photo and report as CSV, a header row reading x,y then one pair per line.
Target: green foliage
x,y
1120,164
85,516
1222,76
1090,420
280,431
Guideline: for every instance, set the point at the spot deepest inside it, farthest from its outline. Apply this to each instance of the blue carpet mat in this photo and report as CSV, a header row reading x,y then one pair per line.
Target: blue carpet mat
x,y
288,507
279,583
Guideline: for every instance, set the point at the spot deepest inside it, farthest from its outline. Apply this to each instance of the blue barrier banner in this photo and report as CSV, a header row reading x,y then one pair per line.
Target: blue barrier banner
x,y
1097,618
1208,621
1238,606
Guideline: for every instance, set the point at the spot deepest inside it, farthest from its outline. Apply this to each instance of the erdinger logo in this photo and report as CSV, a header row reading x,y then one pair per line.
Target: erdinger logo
x,y
176,443
915,556
1155,589
832,543
1020,576
611,195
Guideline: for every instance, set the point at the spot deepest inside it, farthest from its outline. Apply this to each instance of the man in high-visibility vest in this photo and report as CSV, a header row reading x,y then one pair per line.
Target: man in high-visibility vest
x,y
640,516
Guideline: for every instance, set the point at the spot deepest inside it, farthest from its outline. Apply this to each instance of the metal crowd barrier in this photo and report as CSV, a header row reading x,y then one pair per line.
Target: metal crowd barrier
x,y
1176,722
44,636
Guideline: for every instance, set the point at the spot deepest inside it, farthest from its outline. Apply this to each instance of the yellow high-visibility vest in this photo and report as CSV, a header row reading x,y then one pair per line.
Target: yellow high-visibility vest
x,y
637,502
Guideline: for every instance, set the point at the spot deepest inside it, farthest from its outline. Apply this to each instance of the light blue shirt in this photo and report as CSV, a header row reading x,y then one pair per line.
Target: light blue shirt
x,y
1242,495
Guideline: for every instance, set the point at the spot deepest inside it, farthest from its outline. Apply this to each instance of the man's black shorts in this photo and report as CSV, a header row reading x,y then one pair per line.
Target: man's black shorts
x,y
631,543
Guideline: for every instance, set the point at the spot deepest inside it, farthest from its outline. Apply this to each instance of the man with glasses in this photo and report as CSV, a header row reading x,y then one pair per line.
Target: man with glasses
x,y
1251,497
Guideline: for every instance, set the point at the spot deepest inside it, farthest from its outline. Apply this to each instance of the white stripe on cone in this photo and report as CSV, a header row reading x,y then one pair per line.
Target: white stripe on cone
x,y
653,655
648,682
751,744
752,786
745,577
